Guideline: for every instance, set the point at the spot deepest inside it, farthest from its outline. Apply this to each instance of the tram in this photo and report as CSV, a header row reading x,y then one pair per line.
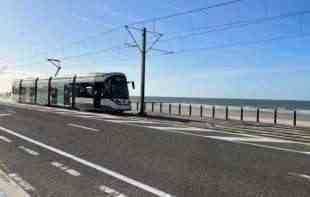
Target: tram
x,y
99,91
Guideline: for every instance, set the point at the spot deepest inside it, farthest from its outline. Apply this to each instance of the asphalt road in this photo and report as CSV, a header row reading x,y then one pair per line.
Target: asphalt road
x,y
60,153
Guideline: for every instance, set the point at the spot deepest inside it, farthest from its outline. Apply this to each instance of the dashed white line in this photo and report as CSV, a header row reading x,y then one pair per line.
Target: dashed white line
x,y
5,139
20,181
66,169
2,115
29,151
83,127
110,192
73,172
84,162
305,176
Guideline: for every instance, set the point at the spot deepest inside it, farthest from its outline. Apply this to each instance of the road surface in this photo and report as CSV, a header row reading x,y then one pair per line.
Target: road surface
x,y
54,152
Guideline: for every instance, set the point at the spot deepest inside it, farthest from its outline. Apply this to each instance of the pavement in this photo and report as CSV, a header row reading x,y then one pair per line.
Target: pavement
x,y
52,152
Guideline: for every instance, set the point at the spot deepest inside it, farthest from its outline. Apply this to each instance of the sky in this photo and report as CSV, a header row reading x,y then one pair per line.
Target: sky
x,y
213,55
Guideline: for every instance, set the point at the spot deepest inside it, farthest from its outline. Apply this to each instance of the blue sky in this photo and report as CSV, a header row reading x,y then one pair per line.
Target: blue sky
x,y
35,30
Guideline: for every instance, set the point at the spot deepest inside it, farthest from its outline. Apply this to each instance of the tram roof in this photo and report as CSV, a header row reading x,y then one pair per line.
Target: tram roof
x,y
80,76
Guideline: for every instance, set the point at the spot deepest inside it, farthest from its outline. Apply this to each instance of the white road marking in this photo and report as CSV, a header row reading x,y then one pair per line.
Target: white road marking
x,y
66,169
299,175
130,121
5,139
2,115
29,151
73,172
110,192
249,139
99,168
182,128
239,142
20,181
82,127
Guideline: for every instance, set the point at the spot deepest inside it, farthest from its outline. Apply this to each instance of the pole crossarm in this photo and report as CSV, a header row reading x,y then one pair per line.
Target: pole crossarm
x,y
133,38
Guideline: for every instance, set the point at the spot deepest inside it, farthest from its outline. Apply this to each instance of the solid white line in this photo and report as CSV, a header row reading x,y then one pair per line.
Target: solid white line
x,y
249,139
130,121
182,128
29,151
5,139
299,175
99,168
111,192
239,142
82,127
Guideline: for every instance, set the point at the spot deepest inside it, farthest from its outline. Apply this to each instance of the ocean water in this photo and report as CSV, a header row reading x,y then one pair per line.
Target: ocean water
x,y
261,103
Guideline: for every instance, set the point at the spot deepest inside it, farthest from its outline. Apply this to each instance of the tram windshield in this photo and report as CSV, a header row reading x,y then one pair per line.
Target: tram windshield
x,y
116,87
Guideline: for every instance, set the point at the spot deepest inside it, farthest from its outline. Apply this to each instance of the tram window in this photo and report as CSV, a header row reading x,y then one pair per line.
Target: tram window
x,y
105,89
85,90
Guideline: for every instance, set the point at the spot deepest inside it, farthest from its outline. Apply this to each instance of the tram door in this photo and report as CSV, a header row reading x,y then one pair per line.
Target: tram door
x,y
97,96
67,94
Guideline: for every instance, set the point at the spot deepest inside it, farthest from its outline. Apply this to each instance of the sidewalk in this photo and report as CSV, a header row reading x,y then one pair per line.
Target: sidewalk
x,y
8,188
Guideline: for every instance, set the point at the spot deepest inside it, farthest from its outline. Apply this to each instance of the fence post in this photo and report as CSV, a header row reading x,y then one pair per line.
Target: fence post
x,y
275,116
241,113
201,111
226,113
137,105
180,112
257,115
213,112
295,119
190,110
152,106
160,107
170,108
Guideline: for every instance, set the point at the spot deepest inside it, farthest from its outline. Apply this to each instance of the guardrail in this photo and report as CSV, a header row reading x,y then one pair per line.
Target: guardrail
x,y
241,113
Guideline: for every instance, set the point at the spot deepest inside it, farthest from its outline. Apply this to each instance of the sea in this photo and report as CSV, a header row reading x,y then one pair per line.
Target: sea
x,y
260,103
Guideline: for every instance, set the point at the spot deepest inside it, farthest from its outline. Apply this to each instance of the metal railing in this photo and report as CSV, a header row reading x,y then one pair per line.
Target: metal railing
x,y
217,112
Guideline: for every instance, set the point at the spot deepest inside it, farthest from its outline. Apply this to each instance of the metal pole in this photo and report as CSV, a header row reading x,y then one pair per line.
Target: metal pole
x,y
170,108
20,92
257,115
160,108
226,113
49,89
36,90
190,110
180,109
152,106
213,112
73,92
143,53
241,113
275,116
295,119
201,111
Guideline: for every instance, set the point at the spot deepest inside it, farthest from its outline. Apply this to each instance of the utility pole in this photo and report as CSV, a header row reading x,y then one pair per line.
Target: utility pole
x,y
143,54
144,50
